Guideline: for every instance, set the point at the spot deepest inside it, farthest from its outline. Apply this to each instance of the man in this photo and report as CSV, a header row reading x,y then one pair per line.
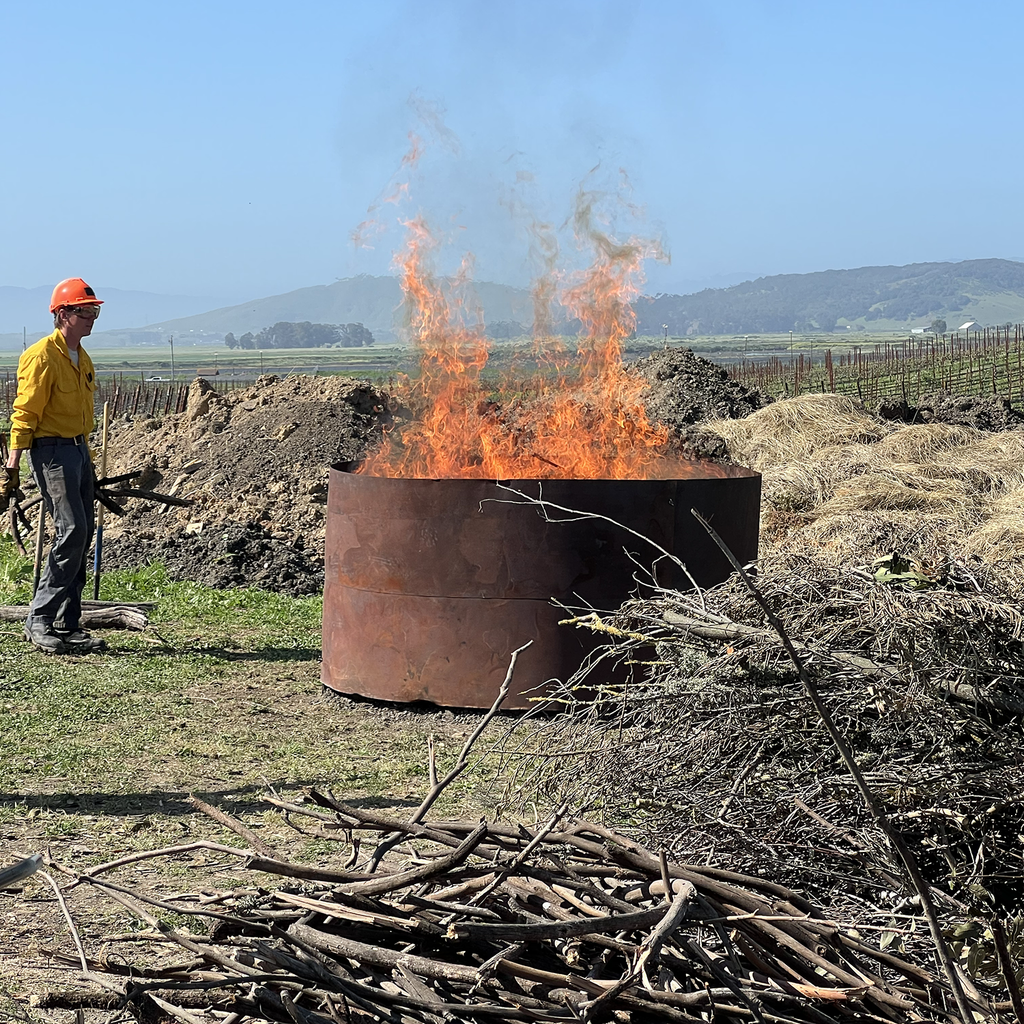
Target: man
x,y
51,420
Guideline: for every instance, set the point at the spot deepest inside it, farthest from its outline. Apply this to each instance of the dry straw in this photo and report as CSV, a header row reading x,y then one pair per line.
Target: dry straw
x,y
841,481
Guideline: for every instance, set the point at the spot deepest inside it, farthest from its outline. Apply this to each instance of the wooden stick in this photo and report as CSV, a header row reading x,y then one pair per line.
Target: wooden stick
x,y
37,568
164,851
379,886
460,765
1006,967
97,561
523,854
137,492
649,949
290,870
124,617
606,924
225,819
67,917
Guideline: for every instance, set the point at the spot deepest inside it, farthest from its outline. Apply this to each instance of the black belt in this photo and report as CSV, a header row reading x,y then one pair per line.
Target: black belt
x,y
39,442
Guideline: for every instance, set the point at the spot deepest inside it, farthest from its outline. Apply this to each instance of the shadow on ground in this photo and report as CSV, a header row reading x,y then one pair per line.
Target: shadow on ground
x,y
170,802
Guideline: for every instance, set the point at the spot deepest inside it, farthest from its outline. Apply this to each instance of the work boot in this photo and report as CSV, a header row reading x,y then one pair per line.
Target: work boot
x,y
43,637
78,641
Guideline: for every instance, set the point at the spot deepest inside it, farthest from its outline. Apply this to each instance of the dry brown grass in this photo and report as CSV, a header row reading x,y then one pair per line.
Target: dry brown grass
x,y
1001,537
840,480
796,428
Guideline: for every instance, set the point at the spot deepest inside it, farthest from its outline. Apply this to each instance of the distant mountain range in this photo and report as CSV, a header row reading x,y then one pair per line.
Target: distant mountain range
x,y
872,298
869,298
374,302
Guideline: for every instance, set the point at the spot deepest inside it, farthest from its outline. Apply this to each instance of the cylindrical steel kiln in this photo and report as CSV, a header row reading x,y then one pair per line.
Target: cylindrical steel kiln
x,y
431,584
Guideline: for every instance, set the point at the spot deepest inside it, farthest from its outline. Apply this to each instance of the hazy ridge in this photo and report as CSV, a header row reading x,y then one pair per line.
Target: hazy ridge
x,y
990,291
374,302
872,298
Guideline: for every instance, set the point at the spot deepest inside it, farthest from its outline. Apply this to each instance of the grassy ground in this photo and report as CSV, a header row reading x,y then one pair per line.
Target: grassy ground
x,y
220,698
139,362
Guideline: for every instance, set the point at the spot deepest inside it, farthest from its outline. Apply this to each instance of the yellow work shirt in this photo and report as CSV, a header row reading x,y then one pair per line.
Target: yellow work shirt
x,y
55,397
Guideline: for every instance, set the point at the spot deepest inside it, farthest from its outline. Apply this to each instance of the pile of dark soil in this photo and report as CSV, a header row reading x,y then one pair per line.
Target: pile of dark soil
x,y
255,463
227,555
985,412
684,390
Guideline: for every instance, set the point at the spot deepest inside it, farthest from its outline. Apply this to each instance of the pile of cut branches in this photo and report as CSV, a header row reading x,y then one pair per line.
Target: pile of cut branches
x,y
488,922
716,753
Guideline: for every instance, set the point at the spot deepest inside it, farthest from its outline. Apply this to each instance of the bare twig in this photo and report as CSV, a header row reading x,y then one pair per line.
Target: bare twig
x,y
70,921
236,826
1006,967
461,763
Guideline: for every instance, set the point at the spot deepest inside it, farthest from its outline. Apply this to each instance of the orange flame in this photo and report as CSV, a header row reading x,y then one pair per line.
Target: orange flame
x,y
586,424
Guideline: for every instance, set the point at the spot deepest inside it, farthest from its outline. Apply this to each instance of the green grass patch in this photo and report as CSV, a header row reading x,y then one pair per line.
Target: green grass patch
x,y
222,697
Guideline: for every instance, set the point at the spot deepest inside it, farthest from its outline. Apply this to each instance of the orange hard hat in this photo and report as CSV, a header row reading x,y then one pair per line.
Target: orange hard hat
x,y
73,292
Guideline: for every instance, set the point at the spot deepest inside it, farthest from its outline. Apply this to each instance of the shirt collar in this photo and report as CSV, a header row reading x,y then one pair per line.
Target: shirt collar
x,y
62,344
58,338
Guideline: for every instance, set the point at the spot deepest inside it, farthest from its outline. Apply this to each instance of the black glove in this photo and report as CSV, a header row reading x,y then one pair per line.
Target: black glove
x,y
10,480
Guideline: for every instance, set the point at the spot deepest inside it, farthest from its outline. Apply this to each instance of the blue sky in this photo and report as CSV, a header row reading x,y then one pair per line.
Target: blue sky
x,y
228,149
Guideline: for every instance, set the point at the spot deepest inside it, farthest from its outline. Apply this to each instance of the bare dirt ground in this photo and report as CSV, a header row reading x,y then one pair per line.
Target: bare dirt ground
x,y
261,726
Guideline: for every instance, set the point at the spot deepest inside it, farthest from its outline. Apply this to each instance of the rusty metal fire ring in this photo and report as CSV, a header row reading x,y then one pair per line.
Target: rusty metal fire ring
x,y
431,584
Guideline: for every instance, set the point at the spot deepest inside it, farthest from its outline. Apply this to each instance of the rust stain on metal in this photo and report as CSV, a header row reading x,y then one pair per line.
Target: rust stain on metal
x,y
431,584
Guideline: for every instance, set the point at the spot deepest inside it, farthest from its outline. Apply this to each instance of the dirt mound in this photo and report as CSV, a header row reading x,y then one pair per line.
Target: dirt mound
x,y
684,389
984,412
255,462
224,556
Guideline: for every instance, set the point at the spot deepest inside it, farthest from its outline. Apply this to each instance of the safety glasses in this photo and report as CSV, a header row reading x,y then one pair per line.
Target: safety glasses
x,y
89,312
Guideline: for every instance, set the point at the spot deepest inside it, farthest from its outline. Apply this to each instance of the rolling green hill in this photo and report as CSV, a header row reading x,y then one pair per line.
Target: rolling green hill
x,y
873,298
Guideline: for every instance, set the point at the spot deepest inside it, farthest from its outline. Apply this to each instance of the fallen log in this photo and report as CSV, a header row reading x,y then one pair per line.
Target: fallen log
x,y
95,615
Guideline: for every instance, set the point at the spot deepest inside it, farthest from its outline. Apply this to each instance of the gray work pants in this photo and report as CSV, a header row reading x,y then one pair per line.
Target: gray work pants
x,y
64,474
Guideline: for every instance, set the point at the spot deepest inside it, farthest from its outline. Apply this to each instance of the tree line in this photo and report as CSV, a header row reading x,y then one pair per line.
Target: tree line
x,y
303,335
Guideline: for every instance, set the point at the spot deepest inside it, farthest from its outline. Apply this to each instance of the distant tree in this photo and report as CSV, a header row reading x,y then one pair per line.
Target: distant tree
x,y
354,335
230,340
247,340
938,326
502,330
301,335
